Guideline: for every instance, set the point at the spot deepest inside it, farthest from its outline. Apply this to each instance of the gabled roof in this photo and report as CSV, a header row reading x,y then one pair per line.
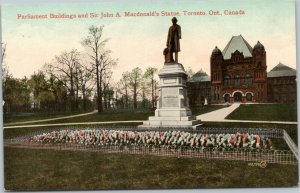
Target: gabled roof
x,y
200,76
237,43
281,70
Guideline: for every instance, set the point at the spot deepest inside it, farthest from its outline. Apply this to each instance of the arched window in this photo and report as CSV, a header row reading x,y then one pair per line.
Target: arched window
x,y
249,97
226,98
248,79
226,80
237,80
237,97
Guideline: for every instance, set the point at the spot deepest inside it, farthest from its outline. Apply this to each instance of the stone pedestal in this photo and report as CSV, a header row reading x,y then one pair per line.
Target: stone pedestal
x,y
173,104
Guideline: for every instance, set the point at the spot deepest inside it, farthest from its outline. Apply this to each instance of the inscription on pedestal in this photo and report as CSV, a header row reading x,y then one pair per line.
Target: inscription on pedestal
x,y
169,81
170,97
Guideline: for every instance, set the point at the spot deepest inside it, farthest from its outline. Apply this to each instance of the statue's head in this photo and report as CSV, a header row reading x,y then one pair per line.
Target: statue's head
x,y
174,20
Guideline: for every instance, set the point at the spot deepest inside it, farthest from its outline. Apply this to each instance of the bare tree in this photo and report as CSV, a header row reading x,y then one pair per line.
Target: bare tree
x,y
144,92
65,68
150,76
135,81
123,88
100,59
86,84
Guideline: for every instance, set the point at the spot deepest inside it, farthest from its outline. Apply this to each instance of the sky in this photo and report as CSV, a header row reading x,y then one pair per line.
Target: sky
x,y
139,41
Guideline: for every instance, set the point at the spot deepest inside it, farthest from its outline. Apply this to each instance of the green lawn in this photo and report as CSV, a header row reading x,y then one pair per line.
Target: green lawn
x,y
21,117
29,169
206,109
105,116
265,112
110,116
32,169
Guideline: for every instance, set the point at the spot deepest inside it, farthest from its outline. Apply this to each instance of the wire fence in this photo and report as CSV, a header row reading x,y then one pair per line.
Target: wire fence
x,y
266,156
264,132
270,156
291,144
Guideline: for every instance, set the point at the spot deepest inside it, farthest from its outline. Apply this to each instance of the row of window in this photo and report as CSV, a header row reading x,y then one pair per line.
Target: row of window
x,y
288,88
282,81
237,80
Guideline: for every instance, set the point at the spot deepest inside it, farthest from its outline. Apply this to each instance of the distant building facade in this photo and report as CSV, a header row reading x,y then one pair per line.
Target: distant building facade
x,y
199,88
282,85
239,74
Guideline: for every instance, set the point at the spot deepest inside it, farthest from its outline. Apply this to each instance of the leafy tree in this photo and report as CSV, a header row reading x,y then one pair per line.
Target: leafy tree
x,y
37,84
60,92
16,94
108,94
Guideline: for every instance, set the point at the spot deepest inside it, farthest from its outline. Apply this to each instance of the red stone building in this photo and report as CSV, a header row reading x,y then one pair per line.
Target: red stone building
x,y
282,84
239,72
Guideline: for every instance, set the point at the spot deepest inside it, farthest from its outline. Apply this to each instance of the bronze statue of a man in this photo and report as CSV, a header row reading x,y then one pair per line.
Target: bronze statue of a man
x,y
173,44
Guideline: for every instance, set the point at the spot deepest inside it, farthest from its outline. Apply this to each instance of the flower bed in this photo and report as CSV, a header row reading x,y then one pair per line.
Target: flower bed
x,y
165,139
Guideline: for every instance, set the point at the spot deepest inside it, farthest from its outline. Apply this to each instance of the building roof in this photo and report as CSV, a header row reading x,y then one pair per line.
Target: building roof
x,y
200,76
237,43
281,70
259,46
216,51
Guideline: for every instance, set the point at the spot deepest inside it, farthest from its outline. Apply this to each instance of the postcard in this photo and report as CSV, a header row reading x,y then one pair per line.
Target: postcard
x,y
147,94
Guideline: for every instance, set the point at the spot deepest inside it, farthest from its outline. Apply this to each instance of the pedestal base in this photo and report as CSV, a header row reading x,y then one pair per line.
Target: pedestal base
x,y
170,122
173,104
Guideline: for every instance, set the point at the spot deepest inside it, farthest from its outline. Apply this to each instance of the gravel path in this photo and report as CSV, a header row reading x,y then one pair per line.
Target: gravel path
x,y
218,115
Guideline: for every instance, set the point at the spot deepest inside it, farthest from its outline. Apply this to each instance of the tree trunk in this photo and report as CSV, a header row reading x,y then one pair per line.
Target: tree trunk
x,y
152,92
126,98
77,94
116,101
84,97
100,105
144,100
135,97
105,100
